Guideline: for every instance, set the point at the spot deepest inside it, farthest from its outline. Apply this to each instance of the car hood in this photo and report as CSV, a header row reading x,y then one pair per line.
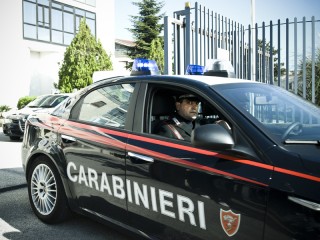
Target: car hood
x,y
309,155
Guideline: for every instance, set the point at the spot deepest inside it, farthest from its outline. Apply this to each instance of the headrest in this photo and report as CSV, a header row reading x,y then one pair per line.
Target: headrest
x,y
163,104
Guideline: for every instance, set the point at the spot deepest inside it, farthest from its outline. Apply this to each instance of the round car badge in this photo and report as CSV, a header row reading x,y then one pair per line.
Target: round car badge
x,y
230,222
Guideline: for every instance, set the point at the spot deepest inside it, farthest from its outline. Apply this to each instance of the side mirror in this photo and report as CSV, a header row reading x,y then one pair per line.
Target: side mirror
x,y
212,136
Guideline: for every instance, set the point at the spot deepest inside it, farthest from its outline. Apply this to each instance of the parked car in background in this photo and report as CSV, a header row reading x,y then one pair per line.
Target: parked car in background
x,y
14,122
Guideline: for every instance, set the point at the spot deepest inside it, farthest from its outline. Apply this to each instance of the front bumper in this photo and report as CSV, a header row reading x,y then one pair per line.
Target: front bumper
x,y
14,129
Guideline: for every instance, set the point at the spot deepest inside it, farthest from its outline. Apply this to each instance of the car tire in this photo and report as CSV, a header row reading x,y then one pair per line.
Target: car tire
x,y
14,138
46,192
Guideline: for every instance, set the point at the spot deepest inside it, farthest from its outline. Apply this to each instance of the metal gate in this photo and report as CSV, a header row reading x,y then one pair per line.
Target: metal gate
x,y
282,50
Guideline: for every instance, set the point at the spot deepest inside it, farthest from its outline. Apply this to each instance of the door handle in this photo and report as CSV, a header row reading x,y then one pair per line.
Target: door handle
x,y
140,157
68,139
312,205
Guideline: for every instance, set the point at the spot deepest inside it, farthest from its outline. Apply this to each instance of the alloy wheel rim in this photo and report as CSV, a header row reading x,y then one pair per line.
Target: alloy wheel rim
x,y
43,189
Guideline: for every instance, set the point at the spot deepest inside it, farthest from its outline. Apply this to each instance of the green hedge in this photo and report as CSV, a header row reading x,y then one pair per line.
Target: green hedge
x,y
23,101
4,108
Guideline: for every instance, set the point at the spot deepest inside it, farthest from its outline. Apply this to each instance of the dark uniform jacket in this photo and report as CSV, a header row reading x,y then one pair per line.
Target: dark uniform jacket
x,y
175,127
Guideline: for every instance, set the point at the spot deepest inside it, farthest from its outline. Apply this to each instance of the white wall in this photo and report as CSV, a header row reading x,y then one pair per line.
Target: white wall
x,y
14,54
106,25
31,67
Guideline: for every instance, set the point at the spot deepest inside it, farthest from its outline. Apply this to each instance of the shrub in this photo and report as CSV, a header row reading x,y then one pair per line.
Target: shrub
x,y
23,101
4,108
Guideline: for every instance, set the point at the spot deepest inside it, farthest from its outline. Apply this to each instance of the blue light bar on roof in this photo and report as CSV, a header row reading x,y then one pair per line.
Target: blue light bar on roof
x,y
193,69
143,66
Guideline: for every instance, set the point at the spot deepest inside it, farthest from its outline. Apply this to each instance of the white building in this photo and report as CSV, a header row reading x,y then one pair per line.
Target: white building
x,y
34,36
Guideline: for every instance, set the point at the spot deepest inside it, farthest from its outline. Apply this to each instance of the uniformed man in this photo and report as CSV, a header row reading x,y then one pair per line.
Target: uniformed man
x,y
181,124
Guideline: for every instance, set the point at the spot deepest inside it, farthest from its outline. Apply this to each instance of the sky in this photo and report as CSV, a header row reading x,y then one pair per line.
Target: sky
x,y
236,10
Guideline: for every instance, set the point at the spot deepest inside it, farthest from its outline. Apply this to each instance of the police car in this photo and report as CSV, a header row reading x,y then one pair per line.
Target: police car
x,y
97,155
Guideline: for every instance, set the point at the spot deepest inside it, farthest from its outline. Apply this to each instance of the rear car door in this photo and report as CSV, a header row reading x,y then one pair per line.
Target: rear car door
x,y
178,191
93,142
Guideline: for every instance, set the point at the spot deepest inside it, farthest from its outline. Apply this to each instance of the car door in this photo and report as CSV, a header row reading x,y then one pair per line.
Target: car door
x,y
179,191
93,142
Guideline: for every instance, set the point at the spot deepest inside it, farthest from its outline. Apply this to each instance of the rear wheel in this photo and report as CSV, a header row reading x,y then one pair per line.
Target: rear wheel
x,y
46,193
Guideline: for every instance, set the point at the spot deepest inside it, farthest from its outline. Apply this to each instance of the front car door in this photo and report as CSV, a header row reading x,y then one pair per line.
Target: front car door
x,y
178,191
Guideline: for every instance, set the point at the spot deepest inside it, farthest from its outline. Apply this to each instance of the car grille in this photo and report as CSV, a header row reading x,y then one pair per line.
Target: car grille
x,y
22,124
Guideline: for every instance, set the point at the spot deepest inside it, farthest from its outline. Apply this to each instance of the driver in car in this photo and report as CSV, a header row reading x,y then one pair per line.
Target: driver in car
x,y
181,124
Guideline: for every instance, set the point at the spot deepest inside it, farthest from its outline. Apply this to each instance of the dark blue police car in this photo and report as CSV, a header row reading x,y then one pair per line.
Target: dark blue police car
x,y
98,155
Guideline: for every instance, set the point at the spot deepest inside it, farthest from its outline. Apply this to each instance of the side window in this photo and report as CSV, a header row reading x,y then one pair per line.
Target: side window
x,y
107,106
174,113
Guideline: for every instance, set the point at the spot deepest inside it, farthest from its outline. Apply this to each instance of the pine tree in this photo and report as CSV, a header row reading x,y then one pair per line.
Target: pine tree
x,y
157,52
146,27
84,56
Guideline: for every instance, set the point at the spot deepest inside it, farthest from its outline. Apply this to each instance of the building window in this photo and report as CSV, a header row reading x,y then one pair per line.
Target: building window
x,y
50,21
88,2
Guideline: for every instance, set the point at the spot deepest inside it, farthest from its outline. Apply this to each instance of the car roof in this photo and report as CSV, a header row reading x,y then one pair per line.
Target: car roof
x,y
207,80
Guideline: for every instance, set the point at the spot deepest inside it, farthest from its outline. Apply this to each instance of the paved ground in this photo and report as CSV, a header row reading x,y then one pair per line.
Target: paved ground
x,y
11,172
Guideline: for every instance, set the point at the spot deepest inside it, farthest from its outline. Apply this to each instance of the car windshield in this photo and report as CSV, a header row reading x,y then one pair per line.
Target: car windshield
x,y
38,101
53,101
276,111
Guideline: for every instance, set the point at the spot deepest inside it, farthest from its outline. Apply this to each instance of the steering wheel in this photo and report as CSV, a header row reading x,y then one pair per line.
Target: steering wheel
x,y
289,129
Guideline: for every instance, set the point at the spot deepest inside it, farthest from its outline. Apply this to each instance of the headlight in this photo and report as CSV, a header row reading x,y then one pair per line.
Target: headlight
x,y
7,120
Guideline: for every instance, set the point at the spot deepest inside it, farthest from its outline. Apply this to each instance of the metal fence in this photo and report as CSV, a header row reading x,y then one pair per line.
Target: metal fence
x,y
274,53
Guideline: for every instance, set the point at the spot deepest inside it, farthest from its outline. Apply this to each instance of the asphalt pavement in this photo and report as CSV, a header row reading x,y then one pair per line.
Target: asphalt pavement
x,y
11,171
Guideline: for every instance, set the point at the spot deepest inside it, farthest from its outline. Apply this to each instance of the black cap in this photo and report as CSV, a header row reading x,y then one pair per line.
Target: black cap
x,y
188,96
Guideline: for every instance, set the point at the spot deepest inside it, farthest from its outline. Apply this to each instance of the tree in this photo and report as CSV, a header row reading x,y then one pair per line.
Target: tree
x,y
157,53
84,56
309,78
146,27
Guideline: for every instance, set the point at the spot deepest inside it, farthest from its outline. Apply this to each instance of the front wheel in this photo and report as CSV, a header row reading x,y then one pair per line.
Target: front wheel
x,y
14,138
46,193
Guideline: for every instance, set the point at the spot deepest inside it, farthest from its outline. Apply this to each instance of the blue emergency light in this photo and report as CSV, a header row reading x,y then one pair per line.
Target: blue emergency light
x,y
193,69
143,66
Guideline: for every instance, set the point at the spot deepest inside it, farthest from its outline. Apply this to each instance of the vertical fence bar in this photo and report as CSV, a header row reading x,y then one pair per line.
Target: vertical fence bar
x,y
187,39
212,36
229,38
167,46
192,43
176,53
287,54
313,50
222,32
200,33
219,32
271,55
242,53
279,53
256,53
263,52
203,32
225,34
295,56
216,36
249,57
196,33
234,49
208,35
238,56
304,71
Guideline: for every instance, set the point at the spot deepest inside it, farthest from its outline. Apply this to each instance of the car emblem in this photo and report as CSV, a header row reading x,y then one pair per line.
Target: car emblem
x,y
230,222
